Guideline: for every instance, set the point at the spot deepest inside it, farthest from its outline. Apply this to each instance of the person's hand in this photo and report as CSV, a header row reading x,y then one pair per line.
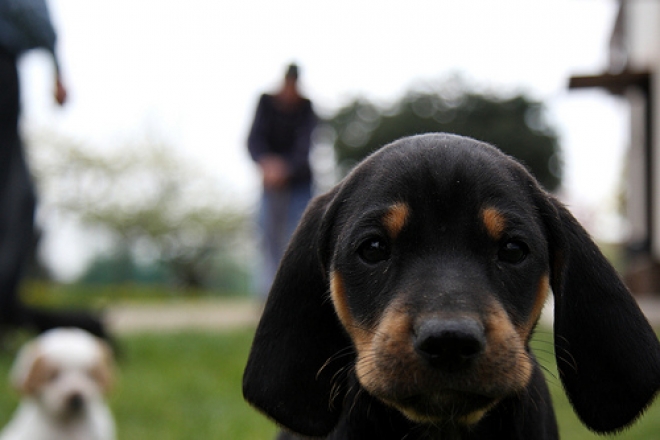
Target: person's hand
x,y
60,92
274,171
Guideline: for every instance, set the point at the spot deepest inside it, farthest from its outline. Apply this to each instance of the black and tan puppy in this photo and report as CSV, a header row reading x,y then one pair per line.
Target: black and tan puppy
x,y
406,300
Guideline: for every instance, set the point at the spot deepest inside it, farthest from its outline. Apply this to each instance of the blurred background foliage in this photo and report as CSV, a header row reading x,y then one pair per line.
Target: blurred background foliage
x,y
165,222
516,124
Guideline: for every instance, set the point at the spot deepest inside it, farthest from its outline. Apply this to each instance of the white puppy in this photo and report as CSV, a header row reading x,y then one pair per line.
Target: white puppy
x,y
62,376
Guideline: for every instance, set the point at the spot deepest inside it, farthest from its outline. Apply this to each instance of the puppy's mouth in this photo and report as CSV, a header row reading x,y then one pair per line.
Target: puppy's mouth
x,y
465,408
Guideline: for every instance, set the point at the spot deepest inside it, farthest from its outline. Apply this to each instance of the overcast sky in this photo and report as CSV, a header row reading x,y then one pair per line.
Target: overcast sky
x,y
191,72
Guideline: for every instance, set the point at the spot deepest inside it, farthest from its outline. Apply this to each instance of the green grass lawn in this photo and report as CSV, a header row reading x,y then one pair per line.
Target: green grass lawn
x,y
188,385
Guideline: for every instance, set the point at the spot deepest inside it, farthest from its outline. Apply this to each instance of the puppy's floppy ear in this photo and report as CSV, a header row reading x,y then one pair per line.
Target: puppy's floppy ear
x,y
607,354
293,361
30,369
104,371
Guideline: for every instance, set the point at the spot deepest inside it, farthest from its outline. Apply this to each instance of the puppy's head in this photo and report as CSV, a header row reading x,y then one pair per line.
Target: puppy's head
x,y
434,279
423,274
63,370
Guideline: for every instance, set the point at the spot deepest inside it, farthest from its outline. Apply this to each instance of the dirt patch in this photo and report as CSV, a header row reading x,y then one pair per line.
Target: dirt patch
x,y
214,315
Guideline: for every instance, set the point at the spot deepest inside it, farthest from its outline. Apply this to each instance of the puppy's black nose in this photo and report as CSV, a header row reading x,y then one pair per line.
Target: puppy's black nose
x,y
75,402
449,344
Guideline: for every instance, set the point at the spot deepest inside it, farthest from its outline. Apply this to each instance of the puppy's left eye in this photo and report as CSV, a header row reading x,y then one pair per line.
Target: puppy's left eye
x,y
513,251
374,250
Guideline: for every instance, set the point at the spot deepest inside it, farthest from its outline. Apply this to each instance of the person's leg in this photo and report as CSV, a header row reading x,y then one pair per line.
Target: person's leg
x,y
272,223
9,111
16,195
300,197
280,212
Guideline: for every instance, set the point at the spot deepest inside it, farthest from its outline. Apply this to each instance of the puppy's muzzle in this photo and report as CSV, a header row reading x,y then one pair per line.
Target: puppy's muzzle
x,y
449,344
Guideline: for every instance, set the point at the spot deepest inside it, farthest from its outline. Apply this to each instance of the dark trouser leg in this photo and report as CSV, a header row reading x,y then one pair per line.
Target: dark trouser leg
x,y
17,200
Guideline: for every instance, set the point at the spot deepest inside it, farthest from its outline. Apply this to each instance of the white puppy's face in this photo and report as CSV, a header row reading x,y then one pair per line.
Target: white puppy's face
x,y
63,371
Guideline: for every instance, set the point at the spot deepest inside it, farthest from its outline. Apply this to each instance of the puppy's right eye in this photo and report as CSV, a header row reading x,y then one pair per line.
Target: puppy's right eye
x,y
374,250
513,252
52,375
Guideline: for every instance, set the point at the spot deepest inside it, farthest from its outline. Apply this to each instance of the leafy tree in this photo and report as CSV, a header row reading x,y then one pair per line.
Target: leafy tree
x,y
155,205
514,124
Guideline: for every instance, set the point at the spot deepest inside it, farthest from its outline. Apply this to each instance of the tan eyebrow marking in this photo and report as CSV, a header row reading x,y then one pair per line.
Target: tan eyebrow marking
x,y
494,221
395,219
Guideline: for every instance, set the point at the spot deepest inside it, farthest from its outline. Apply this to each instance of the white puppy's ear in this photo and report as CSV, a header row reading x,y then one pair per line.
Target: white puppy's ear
x,y
30,369
104,371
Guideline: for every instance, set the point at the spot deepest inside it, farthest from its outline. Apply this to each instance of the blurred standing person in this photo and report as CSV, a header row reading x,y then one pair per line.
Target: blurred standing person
x,y
24,25
279,142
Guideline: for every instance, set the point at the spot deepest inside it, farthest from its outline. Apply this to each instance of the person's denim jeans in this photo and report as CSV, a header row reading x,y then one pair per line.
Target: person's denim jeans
x,y
279,214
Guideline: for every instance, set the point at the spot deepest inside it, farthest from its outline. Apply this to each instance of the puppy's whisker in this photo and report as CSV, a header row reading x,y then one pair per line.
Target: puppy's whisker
x,y
344,352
